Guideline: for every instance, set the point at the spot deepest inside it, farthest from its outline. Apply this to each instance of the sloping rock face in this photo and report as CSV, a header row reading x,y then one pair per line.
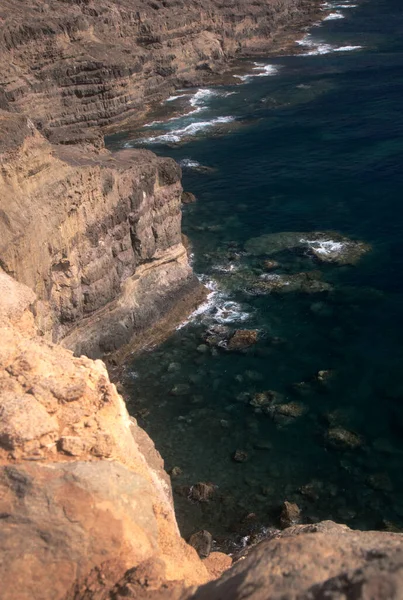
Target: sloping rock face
x,y
87,230
72,63
83,492
312,562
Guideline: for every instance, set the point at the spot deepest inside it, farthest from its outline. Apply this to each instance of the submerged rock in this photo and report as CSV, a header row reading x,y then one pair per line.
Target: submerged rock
x,y
201,492
175,472
380,481
307,282
327,246
180,389
242,339
263,399
270,265
240,456
217,335
343,439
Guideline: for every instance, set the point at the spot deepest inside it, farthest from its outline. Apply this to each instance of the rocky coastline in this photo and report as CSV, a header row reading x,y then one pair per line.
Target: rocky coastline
x,y
93,262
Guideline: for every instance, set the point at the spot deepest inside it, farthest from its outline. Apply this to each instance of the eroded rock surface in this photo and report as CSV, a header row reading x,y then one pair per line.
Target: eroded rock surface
x,y
307,562
81,485
97,237
73,65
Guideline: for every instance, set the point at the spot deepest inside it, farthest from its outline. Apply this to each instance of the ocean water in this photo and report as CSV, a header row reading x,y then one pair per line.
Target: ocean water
x,y
300,144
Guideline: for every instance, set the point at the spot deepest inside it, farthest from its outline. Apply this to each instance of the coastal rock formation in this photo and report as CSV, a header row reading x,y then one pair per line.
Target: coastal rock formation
x,y
312,562
97,237
75,64
82,487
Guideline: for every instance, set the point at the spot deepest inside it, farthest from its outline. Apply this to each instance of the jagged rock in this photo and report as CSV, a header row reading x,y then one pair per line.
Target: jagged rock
x,y
201,542
188,198
311,562
73,445
290,514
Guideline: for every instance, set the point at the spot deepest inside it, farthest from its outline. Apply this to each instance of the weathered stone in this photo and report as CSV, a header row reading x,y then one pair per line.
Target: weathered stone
x,y
73,445
201,542
23,419
188,198
312,562
290,514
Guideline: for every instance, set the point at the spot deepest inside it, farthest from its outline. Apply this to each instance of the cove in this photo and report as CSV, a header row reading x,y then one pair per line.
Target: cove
x,y
306,143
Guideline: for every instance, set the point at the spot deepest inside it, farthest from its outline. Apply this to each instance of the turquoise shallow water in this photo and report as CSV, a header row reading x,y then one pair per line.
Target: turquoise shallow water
x,y
316,145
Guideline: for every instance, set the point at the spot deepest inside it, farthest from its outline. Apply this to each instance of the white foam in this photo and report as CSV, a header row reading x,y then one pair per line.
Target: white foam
x,y
188,163
264,71
332,5
334,16
178,135
217,308
231,268
172,98
325,247
199,98
319,47
347,48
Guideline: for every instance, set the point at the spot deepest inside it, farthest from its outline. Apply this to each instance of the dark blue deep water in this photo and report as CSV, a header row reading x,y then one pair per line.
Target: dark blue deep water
x,y
316,145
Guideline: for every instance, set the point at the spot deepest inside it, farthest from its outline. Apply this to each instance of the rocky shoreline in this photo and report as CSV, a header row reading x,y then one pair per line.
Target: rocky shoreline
x,y
91,254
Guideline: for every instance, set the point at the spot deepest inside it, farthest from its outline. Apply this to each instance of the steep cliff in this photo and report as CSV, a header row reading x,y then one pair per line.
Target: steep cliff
x,y
97,237
70,64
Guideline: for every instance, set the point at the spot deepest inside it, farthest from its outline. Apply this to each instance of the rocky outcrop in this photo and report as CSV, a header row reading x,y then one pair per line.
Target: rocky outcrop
x,y
82,488
97,237
75,64
312,562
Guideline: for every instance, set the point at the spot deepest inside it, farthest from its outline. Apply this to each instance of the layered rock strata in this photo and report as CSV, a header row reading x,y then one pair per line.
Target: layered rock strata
x,y
75,64
97,237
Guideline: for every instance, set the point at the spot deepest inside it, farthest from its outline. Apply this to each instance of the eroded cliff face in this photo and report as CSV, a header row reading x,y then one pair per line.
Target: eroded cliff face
x,y
74,64
97,237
